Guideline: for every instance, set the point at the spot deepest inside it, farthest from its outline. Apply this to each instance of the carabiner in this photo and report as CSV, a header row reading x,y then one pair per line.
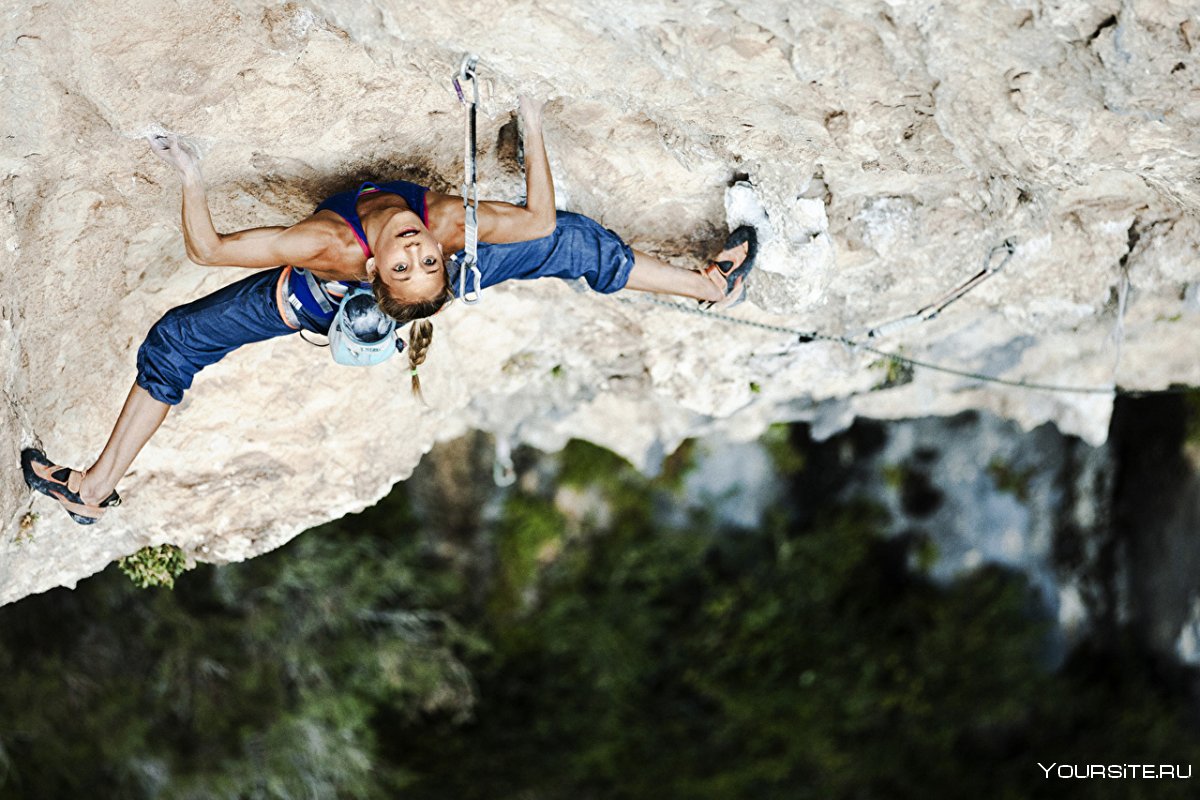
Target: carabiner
x,y
476,277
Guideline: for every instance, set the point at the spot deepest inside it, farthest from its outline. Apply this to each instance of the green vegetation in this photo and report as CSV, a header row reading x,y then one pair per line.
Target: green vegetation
x,y
924,554
584,464
575,655
894,476
256,680
154,566
1191,401
529,530
25,528
1009,479
896,372
787,458
783,663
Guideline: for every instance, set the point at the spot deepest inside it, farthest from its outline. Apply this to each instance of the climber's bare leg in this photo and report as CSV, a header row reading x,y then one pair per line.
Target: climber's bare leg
x,y
137,422
650,274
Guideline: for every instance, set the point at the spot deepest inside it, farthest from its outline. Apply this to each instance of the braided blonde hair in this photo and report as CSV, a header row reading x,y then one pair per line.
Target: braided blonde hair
x,y
420,333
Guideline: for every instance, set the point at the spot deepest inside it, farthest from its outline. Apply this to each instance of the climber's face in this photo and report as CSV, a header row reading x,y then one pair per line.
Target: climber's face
x,y
408,259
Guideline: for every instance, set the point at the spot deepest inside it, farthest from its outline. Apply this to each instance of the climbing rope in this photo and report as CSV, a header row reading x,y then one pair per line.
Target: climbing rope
x,y
806,337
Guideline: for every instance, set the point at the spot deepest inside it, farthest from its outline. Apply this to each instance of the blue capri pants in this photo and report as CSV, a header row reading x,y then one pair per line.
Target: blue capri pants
x,y
580,247
192,336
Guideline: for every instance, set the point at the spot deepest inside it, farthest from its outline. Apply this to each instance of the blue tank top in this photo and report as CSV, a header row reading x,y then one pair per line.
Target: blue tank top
x,y
345,205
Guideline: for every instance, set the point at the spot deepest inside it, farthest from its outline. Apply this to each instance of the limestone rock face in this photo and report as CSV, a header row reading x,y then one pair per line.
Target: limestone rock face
x,y
888,146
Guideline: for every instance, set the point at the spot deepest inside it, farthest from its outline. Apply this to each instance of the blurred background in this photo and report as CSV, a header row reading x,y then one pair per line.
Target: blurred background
x,y
917,608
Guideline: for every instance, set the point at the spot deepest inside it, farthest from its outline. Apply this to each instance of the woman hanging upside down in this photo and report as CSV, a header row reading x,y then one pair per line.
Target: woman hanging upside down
x,y
393,235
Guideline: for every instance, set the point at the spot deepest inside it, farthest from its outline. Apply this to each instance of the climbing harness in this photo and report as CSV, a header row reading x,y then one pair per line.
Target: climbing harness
x,y
470,188
1008,246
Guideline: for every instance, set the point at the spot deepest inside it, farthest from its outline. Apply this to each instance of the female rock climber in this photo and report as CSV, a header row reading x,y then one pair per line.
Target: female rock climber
x,y
392,234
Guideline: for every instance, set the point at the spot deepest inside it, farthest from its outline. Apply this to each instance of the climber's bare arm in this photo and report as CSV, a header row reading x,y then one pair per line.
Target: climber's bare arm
x,y
302,244
505,222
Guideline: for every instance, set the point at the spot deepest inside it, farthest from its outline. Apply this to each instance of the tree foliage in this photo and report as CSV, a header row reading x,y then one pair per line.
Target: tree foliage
x,y
620,649
258,680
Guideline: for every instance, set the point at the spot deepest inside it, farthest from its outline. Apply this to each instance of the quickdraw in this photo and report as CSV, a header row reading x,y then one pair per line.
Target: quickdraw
x,y
1008,246
470,188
